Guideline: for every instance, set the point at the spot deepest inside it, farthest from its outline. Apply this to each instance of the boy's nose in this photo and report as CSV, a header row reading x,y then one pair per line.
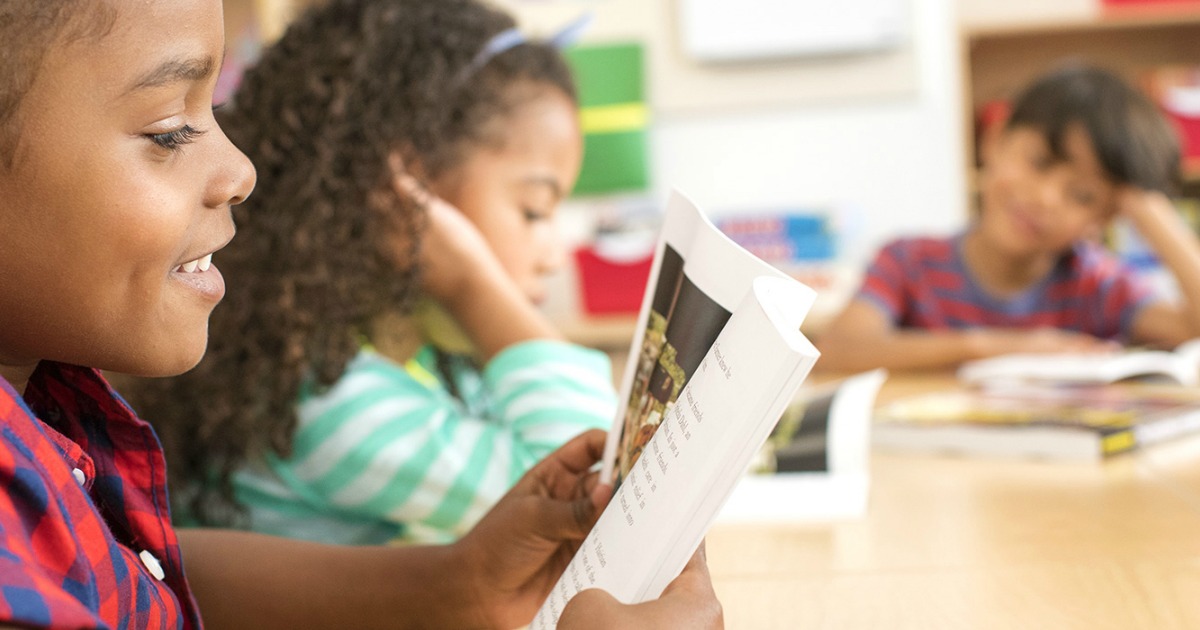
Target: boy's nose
x,y
1051,191
243,178
235,177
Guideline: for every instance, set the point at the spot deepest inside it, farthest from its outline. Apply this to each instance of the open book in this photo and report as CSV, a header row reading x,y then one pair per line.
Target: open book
x,y
1181,365
717,357
814,464
1042,421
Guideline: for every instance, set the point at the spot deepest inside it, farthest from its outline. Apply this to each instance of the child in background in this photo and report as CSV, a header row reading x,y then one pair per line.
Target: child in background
x,y
322,409
1079,148
115,191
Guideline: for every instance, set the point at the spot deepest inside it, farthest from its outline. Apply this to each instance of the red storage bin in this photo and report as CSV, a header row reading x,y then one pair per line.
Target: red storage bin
x,y
1182,105
611,286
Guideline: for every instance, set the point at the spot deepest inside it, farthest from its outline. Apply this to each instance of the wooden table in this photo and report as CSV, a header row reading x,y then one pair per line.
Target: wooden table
x,y
952,542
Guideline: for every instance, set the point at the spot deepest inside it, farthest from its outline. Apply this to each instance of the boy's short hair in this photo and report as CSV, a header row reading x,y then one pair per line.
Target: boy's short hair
x,y
27,30
1133,141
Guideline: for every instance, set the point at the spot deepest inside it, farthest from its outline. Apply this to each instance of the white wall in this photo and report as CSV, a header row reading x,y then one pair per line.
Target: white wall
x,y
896,154
878,133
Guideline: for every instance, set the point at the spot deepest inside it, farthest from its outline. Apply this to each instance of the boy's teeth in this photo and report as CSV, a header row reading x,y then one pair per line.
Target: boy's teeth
x,y
200,264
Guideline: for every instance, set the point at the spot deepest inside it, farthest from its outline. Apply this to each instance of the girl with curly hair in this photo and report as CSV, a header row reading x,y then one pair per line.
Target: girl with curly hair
x,y
380,367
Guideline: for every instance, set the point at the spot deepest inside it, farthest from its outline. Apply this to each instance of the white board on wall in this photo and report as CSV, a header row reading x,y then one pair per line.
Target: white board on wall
x,y
756,30
680,84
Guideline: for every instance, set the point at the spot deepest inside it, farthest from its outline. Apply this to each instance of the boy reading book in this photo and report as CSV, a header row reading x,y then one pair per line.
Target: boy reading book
x,y
115,191
1079,148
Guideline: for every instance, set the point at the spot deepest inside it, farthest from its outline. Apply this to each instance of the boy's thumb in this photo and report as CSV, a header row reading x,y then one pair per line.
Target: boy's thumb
x,y
571,520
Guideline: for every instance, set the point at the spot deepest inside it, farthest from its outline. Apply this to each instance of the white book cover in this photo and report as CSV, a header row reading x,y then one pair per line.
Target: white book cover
x,y
815,465
719,334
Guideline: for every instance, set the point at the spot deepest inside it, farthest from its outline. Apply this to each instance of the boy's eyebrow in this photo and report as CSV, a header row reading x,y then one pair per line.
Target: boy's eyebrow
x,y
172,70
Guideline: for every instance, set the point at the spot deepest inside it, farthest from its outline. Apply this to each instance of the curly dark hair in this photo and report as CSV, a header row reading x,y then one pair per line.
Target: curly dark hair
x,y
316,260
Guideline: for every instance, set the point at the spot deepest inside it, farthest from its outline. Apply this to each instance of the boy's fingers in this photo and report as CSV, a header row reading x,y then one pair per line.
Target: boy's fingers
x,y
591,608
563,520
600,495
581,452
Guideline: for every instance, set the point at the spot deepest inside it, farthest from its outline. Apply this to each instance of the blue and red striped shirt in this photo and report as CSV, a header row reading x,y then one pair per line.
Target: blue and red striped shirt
x,y
925,283
85,532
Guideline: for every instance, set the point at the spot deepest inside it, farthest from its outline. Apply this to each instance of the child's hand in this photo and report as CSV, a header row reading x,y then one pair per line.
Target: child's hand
x,y
517,552
990,342
1136,203
453,250
687,602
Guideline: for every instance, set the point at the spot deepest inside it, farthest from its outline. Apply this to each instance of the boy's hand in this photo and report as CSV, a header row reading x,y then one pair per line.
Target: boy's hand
x,y
990,342
517,552
1137,204
687,602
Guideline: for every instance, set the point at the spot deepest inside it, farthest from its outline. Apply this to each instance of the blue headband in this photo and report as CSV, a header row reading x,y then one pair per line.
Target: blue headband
x,y
512,37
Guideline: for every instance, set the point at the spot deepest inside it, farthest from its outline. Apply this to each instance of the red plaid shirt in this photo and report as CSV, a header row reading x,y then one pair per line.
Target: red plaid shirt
x,y
85,533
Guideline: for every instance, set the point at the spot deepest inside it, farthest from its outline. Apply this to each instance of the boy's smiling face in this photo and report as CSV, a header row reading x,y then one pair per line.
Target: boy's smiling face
x,y
120,177
1036,204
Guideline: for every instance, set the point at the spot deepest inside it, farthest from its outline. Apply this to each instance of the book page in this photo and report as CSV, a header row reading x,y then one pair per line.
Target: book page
x,y
697,278
1083,367
658,516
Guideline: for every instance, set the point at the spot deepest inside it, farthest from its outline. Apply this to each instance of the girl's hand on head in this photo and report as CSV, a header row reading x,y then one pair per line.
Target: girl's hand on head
x,y
461,272
453,250
688,602
515,555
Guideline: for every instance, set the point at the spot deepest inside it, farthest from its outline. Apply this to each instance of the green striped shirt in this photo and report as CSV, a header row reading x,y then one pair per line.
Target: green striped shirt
x,y
388,451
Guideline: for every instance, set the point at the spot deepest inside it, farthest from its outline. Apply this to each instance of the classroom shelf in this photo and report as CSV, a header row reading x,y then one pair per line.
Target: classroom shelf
x,y
1109,19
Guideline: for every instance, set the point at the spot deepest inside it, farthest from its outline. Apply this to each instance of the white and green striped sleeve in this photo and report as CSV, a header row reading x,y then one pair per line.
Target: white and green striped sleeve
x,y
389,442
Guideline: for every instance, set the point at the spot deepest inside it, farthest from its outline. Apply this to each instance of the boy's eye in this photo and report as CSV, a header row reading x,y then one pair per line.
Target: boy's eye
x,y
176,138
